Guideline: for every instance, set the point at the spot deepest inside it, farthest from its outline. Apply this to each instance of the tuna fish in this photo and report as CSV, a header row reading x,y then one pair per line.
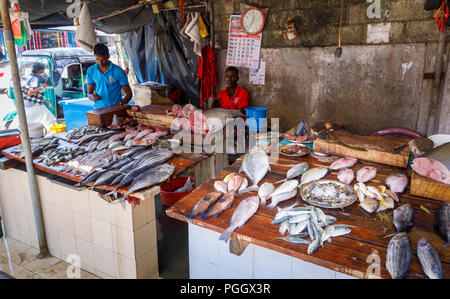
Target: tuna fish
x,y
203,204
92,176
295,171
346,176
429,259
255,166
397,182
398,256
264,192
443,223
149,178
106,178
343,163
403,217
313,175
366,174
244,211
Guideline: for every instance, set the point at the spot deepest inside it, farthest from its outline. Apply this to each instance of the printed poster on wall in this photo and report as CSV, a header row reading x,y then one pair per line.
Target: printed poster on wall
x,y
243,49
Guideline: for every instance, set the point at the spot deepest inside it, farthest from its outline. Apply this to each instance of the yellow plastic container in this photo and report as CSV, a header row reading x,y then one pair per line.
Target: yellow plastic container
x,y
58,128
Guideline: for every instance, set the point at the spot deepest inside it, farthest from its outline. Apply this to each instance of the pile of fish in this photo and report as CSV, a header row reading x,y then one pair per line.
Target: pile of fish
x,y
399,252
83,164
301,134
308,221
38,145
78,133
60,153
132,164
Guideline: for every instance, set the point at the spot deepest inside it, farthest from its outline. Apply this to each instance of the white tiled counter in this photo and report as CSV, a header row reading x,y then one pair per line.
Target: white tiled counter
x,y
210,258
111,242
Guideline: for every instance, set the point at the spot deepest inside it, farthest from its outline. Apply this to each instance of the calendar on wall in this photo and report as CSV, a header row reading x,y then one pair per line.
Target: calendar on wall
x,y
243,49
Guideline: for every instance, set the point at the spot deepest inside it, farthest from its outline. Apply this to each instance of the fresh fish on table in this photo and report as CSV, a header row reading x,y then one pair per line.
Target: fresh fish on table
x,y
435,164
397,182
97,135
403,217
285,187
346,176
429,259
399,255
366,174
131,135
443,223
132,151
92,145
347,162
264,192
102,145
244,211
203,204
118,179
255,165
295,171
92,177
221,186
296,239
420,146
226,202
149,178
313,174
115,144
106,178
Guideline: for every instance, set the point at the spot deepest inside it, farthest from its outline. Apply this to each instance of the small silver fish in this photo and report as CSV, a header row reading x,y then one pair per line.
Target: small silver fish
x,y
296,239
295,171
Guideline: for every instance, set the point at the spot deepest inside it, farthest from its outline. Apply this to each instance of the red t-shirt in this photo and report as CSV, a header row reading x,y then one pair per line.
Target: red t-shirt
x,y
238,101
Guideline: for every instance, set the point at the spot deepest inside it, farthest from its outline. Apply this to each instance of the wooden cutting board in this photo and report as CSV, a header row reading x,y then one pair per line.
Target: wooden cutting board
x,y
428,188
103,117
378,148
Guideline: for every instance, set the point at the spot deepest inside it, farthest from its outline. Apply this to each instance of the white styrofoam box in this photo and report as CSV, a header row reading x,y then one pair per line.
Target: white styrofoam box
x,y
68,245
23,229
204,244
121,217
145,239
86,252
104,260
147,265
225,273
102,234
123,242
269,264
200,269
61,196
143,213
305,270
52,236
340,275
99,207
65,221
125,267
79,201
82,226
242,264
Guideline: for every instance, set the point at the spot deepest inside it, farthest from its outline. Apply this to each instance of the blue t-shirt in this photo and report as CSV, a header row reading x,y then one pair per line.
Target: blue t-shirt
x,y
108,85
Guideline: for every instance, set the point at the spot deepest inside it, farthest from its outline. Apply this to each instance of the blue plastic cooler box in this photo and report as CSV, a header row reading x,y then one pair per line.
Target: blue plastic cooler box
x,y
254,114
75,112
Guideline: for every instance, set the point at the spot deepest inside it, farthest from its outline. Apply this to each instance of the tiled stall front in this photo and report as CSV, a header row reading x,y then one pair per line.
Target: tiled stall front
x,y
111,242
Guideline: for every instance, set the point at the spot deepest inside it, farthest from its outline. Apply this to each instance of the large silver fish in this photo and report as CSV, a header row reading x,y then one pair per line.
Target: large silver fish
x,y
429,259
243,212
295,171
314,174
149,178
403,217
398,256
255,165
443,223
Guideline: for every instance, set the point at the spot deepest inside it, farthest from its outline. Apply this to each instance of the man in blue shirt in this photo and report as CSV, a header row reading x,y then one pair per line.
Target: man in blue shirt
x,y
105,80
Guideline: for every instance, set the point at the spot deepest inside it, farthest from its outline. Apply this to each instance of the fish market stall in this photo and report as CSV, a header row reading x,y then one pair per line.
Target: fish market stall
x,y
354,238
98,195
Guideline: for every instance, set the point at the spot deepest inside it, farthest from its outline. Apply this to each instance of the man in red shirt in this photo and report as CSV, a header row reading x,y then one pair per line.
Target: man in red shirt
x,y
233,97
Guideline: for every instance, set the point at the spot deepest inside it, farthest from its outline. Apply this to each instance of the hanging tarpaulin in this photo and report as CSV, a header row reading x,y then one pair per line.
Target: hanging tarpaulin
x,y
85,36
20,25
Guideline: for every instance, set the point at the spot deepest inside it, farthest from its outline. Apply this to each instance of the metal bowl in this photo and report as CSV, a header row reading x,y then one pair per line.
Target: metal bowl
x,y
324,203
284,146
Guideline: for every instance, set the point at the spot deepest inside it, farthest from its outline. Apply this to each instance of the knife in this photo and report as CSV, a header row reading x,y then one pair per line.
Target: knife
x,y
333,137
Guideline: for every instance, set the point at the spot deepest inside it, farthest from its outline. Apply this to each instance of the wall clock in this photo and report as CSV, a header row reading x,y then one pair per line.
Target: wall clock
x,y
252,21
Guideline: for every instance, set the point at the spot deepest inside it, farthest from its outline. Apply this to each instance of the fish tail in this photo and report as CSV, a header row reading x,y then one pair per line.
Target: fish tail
x,y
226,235
249,189
272,205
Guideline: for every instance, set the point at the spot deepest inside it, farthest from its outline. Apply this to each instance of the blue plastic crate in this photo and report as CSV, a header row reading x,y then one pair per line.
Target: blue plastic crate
x,y
75,112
